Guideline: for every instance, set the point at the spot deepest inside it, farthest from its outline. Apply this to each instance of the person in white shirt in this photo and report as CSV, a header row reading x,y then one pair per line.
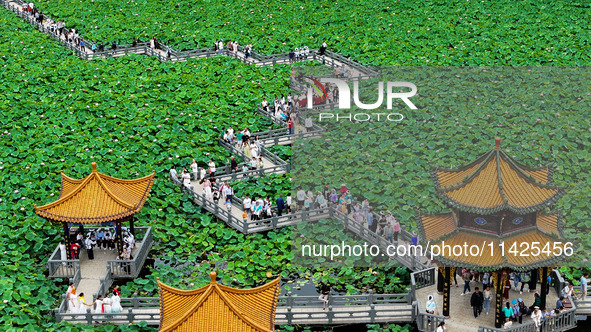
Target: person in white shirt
x,y
202,174
288,203
536,316
301,197
221,47
441,327
229,192
508,323
247,204
195,169
253,163
173,174
211,167
186,179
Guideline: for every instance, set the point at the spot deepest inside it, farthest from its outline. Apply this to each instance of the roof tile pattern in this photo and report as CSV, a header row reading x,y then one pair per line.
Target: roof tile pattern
x,y
218,308
437,226
495,182
549,223
97,198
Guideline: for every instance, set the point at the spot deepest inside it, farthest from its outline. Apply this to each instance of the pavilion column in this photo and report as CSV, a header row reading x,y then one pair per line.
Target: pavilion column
x,y
131,227
500,287
67,238
533,283
119,237
440,280
446,290
542,293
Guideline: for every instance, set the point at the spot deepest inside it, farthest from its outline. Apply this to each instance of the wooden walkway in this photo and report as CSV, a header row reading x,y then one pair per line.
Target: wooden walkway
x,y
301,310
333,60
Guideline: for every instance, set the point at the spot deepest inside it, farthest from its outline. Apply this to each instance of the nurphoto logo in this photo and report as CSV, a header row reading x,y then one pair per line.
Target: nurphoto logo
x,y
345,94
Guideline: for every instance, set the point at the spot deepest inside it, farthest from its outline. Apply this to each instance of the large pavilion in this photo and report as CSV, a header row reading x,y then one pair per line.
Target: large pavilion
x,y
97,199
218,308
495,203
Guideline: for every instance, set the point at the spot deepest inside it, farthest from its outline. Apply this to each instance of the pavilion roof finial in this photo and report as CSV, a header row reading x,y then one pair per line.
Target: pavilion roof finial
x,y
497,143
213,275
93,167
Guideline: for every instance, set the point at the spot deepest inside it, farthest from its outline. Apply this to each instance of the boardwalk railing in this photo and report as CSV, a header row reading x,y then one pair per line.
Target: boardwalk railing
x,y
104,284
421,279
367,308
63,268
565,320
425,321
131,268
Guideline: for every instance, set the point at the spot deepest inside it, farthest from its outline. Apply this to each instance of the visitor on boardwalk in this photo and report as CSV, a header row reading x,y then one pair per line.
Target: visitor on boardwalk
x,y
486,298
212,167
75,250
173,174
516,311
507,311
100,238
537,302
430,307
90,243
507,289
107,304
323,48
72,298
389,233
195,170
288,203
324,293
525,281
186,179
233,164
466,278
82,305
108,243
476,302
522,309
568,290
508,324
536,316
63,253
280,205
441,327
247,205
584,285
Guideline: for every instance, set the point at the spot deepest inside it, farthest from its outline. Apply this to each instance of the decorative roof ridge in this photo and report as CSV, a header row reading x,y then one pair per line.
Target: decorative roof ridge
x,y
466,180
191,310
559,221
128,181
213,286
60,200
463,167
500,177
110,193
71,179
515,166
183,292
235,309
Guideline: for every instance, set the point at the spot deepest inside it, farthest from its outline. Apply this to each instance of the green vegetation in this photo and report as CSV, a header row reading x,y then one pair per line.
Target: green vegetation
x,y
382,32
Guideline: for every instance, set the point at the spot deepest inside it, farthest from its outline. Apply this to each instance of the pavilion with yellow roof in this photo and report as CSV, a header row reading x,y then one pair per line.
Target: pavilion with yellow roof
x,y
218,308
495,200
96,199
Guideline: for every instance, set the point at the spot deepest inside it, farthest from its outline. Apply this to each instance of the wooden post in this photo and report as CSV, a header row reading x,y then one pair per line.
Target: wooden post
x,y
440,280
67,239
500,286
131,227
542,293
446,291
118,237
533,283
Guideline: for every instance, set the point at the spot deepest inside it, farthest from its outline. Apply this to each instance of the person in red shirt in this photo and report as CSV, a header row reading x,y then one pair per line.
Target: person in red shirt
x,y
74,250
343,189
290,127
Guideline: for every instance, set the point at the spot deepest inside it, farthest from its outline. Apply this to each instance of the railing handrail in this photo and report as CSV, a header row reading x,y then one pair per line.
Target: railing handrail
x,y
115,266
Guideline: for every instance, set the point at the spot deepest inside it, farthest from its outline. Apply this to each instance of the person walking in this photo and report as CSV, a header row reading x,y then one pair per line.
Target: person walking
x,y
487,297
516,310
466,278
63,254
90,243
476,302
441,327
195,170
536,316
389,233
584,285
522,309
116,303
324,293
430,307
174,175
280,205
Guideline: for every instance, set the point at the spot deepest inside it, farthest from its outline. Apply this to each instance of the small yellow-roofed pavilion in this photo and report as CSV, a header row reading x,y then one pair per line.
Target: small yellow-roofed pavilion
x,y
218,308
499,207
495,200
96,199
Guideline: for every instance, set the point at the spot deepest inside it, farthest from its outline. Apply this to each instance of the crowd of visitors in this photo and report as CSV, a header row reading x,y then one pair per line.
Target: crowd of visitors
x,y
103,238
514,310
103,304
